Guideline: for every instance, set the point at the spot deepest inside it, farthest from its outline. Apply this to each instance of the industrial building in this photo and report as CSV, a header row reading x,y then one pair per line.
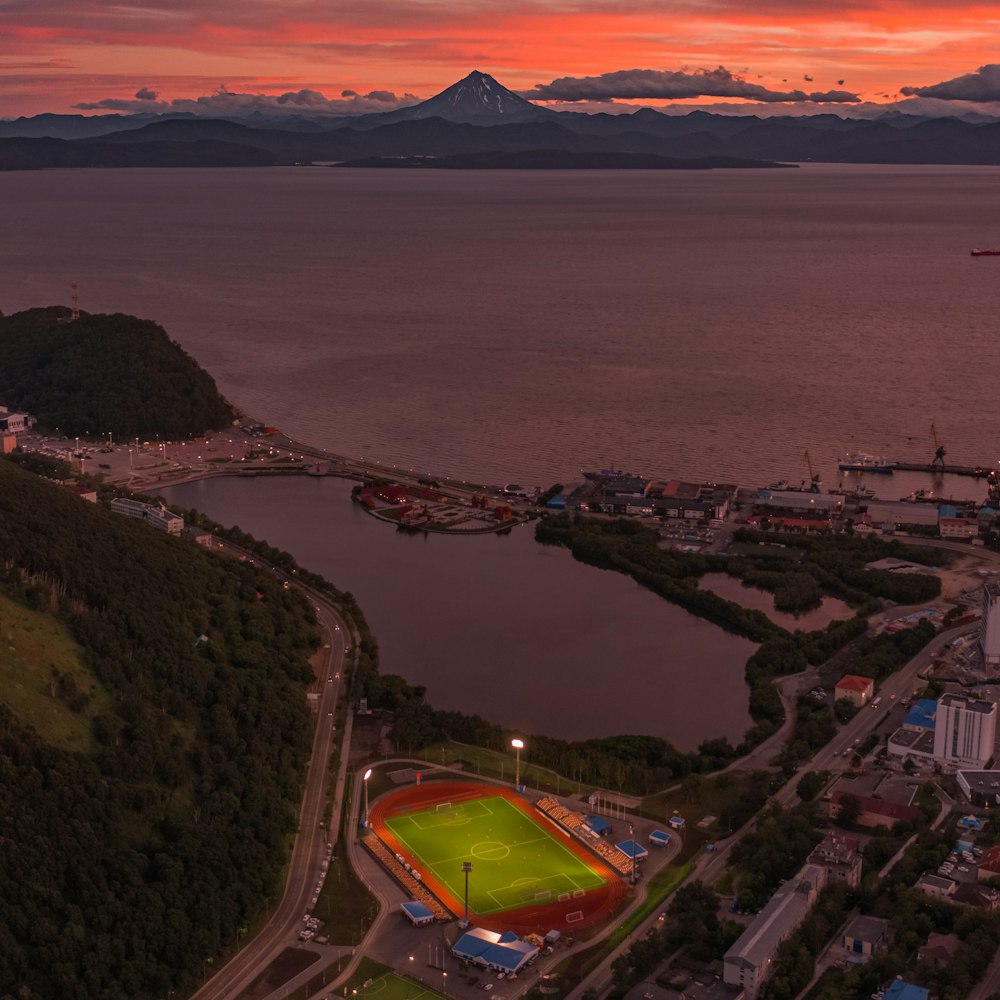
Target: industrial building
x,y
748,962
864,936
890,515
965,731
981,788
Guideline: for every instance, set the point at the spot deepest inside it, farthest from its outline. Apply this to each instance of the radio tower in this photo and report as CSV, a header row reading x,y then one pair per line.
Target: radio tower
x,y
75,309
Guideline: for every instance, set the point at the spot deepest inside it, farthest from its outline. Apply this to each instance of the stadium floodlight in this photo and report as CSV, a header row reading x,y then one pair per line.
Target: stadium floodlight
x,y
518,746
466,868
368,774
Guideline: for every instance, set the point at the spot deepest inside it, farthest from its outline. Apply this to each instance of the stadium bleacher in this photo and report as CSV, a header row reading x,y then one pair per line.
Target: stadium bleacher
x,y
575,824
416,889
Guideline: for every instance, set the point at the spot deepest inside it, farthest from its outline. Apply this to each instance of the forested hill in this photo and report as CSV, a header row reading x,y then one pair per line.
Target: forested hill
x,y
129,861
105,373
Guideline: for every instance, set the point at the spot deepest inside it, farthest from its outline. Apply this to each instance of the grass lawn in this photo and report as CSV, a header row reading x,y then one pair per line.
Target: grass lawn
x,y
516,862
392,987
43,678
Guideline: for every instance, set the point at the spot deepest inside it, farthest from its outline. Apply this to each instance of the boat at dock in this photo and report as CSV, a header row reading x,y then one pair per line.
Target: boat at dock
x,y
862,462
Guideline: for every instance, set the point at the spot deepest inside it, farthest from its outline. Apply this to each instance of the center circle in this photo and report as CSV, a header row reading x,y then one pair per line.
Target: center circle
x,y
490,850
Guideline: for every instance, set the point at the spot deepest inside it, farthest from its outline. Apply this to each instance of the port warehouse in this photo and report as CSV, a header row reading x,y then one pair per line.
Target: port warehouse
x,y
775,506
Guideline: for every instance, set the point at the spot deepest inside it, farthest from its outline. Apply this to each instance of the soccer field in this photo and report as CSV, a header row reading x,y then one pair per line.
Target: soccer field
x,y
516,861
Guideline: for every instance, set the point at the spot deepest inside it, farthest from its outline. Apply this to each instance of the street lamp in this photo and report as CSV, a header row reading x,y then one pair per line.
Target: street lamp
x,y
518,746
368,774
466,868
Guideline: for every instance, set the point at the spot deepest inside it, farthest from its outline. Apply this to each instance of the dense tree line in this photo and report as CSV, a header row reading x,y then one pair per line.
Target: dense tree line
x,y
105,373
125,868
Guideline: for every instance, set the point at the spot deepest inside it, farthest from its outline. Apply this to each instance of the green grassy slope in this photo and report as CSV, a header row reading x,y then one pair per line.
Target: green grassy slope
x,y
129,861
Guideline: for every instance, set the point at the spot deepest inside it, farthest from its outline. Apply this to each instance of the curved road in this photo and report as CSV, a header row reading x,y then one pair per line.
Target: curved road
x,y
310,847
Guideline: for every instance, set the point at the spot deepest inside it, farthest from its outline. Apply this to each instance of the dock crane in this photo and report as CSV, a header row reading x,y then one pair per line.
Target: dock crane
x,y
814,477
939,452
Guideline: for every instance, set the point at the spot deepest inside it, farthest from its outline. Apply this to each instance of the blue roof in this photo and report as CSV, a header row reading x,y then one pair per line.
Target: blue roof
x,y
507,951
557,503
660,835
900,990
922,713
417,911
971,822
632,849
947,510
598,823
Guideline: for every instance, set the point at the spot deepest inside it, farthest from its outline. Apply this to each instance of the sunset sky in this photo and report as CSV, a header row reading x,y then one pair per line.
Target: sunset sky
x,y
364,55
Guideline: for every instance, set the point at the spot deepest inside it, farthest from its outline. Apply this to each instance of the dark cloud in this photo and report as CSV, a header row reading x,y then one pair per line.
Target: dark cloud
x,y
123,104
226,102
652,84
981,87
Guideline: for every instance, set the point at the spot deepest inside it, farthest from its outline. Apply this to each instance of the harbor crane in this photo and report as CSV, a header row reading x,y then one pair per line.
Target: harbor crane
x,y
814,477
939,452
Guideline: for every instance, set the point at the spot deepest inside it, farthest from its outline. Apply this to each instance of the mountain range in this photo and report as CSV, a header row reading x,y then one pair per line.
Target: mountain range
x,y
478,115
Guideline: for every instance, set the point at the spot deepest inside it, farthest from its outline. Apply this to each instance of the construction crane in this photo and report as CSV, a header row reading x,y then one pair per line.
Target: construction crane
x,y
939,452
814,477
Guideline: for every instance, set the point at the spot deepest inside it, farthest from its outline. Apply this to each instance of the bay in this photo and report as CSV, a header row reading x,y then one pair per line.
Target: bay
x,y
520,326
503,627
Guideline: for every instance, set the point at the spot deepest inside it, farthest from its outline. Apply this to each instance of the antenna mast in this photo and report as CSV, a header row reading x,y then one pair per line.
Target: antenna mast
x,y
75,310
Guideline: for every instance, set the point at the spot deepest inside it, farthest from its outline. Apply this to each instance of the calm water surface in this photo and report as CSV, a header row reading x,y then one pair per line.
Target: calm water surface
x,y
524,325
832,609
502,626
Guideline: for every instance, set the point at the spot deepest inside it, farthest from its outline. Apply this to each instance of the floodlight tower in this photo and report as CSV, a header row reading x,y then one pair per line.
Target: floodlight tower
x,y
75,310
518,746
368,774
466,868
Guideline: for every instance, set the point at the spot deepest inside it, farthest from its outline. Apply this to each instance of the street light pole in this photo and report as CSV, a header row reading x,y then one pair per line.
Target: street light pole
x,y
368,774
466,868
518,746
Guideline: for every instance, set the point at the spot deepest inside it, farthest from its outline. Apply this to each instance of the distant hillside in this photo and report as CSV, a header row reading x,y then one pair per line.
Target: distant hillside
x,y
105,373
557,159
149,782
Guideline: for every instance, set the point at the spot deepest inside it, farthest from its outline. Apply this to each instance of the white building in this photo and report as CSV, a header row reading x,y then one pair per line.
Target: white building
x,y
159,517
965,731
989,635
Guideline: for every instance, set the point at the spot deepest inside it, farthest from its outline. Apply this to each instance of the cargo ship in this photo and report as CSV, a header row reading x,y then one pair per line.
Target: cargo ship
x,y
985,253
861,462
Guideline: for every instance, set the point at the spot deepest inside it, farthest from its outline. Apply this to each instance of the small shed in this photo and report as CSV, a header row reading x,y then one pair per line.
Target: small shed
x,y
633,850
599,825
659,838
676,822
417,913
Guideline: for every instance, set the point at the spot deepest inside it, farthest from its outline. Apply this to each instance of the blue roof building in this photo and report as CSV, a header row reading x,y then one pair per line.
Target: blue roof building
x,y
633,850
599,825
659,838
921,715
504,952
901,990
417,913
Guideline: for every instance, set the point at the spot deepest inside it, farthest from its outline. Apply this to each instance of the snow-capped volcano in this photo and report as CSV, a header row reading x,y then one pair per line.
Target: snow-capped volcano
x,y
475,98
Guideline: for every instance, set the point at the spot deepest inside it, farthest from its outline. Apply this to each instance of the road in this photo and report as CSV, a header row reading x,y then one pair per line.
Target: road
x,y
310,848
709,867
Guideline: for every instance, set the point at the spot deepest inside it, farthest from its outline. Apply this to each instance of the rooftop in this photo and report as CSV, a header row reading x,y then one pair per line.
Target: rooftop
x,y
922,713
854,682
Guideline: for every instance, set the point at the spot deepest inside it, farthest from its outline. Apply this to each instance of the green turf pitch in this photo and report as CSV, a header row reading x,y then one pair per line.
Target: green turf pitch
x,y
516,861
393,987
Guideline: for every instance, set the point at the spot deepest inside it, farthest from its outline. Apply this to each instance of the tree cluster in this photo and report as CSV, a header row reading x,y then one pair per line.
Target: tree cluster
x,y
105,373
124,869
